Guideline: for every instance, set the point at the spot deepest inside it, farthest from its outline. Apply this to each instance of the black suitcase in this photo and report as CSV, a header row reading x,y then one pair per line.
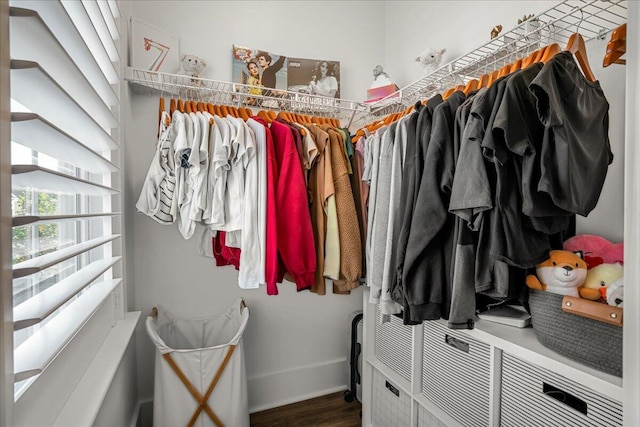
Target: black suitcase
x,y
355,358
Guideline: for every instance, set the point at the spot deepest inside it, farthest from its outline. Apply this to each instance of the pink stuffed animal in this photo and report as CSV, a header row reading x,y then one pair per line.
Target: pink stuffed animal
x,y
597,249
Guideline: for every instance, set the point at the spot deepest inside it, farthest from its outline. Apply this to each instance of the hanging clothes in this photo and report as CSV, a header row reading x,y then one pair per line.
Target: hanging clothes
x,y
426,274
349,234
575,166
321,191
295,236
158,190
271,232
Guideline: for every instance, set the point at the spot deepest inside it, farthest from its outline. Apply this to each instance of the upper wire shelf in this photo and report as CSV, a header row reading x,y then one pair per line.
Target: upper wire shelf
x,y
236,94
591,18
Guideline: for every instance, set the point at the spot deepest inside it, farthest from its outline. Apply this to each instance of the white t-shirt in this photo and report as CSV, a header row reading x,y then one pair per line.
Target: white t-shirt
x,y
220,165
234,192
191,167
199,177
180,145
251,273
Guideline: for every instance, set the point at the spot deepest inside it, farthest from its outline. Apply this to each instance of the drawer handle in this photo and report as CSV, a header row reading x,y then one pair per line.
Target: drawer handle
x,y
564,397
392,388
456,343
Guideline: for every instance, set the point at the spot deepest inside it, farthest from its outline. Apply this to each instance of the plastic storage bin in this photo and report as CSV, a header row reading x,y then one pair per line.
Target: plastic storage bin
x,y
200,361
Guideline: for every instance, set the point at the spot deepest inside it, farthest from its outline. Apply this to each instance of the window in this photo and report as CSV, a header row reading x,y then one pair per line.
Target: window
x,y
64,89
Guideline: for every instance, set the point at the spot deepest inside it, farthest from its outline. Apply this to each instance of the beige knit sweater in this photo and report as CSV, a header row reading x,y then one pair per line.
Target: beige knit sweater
x,y
350,247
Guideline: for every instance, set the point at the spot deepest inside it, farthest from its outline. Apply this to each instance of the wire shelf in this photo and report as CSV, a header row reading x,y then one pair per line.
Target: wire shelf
x,y
239,95
592,18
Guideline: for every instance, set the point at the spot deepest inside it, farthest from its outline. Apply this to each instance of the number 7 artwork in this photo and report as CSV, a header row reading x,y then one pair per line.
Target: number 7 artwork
x,y
153,49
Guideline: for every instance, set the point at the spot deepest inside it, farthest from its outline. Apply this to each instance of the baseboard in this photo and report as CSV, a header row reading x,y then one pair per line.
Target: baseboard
x,y
143,416
279,388
136,415
294,385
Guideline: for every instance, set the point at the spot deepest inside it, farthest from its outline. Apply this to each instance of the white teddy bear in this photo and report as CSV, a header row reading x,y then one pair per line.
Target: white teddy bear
x,y
430,59
192,65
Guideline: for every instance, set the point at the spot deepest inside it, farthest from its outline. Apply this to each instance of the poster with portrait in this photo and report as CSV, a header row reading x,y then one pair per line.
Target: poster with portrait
x,y
268,73
262,69
314,76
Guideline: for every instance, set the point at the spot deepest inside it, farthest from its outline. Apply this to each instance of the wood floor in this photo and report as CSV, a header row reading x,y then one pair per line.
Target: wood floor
x,y
325,411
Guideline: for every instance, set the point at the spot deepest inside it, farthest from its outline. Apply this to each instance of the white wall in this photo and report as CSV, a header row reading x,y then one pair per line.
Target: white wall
x,y
457,26
296,343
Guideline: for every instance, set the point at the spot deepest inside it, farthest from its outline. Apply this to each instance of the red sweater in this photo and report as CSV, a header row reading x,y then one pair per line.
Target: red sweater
x,y
295,235
271,246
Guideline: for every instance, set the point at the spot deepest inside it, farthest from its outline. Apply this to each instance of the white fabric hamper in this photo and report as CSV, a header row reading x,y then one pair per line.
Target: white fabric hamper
x,y
199,347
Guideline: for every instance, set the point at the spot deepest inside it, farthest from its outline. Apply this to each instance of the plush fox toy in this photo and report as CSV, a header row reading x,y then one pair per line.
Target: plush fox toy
x,y
563,273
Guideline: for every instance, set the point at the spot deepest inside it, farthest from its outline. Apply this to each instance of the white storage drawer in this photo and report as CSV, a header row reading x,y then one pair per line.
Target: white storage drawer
x,y
394,344
456,374
391,406
534,396
427,419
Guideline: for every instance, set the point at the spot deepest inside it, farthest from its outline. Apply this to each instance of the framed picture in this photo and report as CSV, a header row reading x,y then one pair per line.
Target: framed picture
x,y
314,76
153,49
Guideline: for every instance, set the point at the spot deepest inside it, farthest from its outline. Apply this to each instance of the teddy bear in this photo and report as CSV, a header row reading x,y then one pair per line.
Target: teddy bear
x,y
597,249
615,293
601,277
192,66
563,273
430,59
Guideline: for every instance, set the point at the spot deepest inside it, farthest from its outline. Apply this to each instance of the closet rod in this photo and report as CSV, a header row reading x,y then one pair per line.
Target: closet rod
x,y
592,18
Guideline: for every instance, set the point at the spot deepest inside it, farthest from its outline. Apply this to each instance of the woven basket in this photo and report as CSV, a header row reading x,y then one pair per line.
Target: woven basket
x,y
591,342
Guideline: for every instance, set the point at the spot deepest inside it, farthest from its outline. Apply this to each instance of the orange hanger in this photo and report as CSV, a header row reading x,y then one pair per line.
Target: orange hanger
x,y
283,115
576,46
172,106
470,87
504,70
516,66
242,113
264,116
271,114
493,77
181,105
209,108
187,106
550,52
160,111
616,47
448,93
483,81
530,59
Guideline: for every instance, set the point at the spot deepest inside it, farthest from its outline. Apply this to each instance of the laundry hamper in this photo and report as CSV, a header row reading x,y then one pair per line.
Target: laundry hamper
x,y
200,377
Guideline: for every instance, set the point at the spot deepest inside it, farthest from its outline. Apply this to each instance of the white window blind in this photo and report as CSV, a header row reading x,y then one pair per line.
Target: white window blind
x,y
64,88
